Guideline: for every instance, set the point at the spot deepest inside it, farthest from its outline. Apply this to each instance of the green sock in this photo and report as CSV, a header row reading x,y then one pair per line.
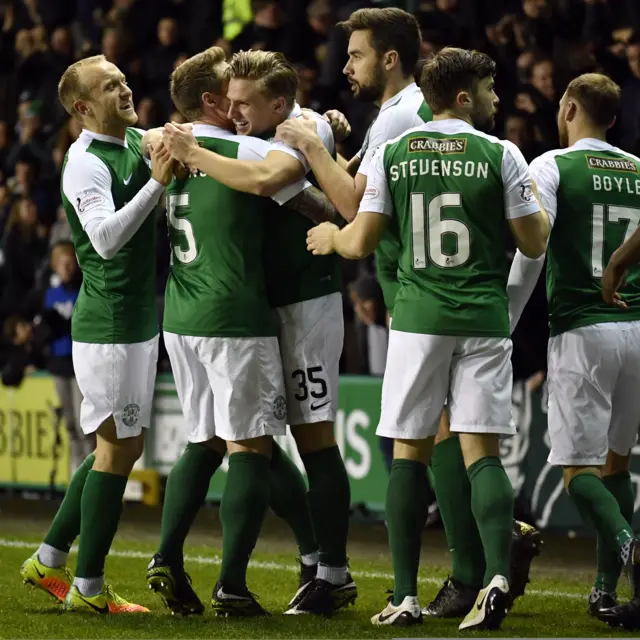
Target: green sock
x,y
289,500
329,501
406,512
185,493
598,506
101,509
453,491
244,503
492,507
609,567
65,527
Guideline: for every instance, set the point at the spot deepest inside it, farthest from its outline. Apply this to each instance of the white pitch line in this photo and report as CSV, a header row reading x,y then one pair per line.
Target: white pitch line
x,y
277,566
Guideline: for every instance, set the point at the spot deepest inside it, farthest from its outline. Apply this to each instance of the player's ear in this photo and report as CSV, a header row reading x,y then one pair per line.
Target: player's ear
x,y
280,104
390,59
464,100
208,99
82,108
572,110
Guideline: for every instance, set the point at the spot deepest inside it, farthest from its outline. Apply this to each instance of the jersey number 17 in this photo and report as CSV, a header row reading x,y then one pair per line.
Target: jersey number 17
x,y
608,213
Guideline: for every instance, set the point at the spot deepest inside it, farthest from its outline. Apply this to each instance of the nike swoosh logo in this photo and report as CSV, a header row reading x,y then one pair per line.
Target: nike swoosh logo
x,y
383,618
38,572
481,603
315,407
221,595
128,180
104,609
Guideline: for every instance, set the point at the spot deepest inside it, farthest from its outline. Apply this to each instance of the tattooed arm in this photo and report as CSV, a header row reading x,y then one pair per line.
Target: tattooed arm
x,y
313,204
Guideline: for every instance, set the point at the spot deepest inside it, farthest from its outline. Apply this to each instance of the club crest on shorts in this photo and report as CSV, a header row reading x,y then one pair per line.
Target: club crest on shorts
x,y
279,408
130,414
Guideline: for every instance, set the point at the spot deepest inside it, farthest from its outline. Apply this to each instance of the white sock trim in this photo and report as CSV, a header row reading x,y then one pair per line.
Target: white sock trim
x,y
89,587
334,575
51,557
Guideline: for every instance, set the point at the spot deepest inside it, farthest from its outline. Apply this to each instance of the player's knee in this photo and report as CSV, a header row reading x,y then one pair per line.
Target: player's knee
x,y
416,450
569,473
444,432
119,457
615,463
313,437
262,446
215,444
476,446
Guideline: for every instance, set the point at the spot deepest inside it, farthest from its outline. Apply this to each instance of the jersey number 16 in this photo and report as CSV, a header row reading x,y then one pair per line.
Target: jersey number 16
x,y
435,227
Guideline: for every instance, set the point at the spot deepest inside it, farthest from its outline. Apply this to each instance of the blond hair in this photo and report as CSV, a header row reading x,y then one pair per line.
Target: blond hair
x,y
195,76
598,95
276,74
70,87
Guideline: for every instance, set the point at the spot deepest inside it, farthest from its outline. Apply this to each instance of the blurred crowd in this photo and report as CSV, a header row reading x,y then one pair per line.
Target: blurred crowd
x,y
539,46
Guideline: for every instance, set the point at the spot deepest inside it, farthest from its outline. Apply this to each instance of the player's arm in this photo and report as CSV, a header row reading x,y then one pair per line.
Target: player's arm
x,y
626,255
313,204
150,139
525,271
353,165
344,191
361,236
262,177
86,183
528,220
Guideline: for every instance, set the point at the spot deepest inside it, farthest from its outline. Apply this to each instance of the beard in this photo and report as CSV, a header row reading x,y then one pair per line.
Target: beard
x,y
563,135
373,90
483,122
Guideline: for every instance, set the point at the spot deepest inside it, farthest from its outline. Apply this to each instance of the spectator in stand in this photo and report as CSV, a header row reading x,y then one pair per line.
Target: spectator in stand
x,y
24,246
60,229
630,107
61,296
158,65
27,181
371,326
265,31
32,141
519,130
5,145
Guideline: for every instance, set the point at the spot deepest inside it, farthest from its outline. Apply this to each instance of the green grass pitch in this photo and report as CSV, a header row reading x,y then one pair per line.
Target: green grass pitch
x,y
555,604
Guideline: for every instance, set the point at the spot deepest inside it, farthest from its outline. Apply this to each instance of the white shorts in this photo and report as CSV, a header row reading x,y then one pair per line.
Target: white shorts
x,y
311,338
472,375
594,393
228,387
116,380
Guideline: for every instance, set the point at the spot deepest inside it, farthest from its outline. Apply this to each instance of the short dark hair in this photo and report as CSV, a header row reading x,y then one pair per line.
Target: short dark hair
x,y
598,95
195,76
391,29
452,70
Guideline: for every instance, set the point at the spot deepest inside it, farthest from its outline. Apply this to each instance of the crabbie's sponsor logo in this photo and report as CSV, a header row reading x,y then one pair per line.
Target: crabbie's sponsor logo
x,y
612,164
437,145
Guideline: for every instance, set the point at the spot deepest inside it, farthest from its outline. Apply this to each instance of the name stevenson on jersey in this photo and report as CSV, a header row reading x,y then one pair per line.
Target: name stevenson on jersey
x,y
437,166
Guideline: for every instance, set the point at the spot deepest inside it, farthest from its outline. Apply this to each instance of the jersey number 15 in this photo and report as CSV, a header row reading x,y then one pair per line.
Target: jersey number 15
x,y
182,240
